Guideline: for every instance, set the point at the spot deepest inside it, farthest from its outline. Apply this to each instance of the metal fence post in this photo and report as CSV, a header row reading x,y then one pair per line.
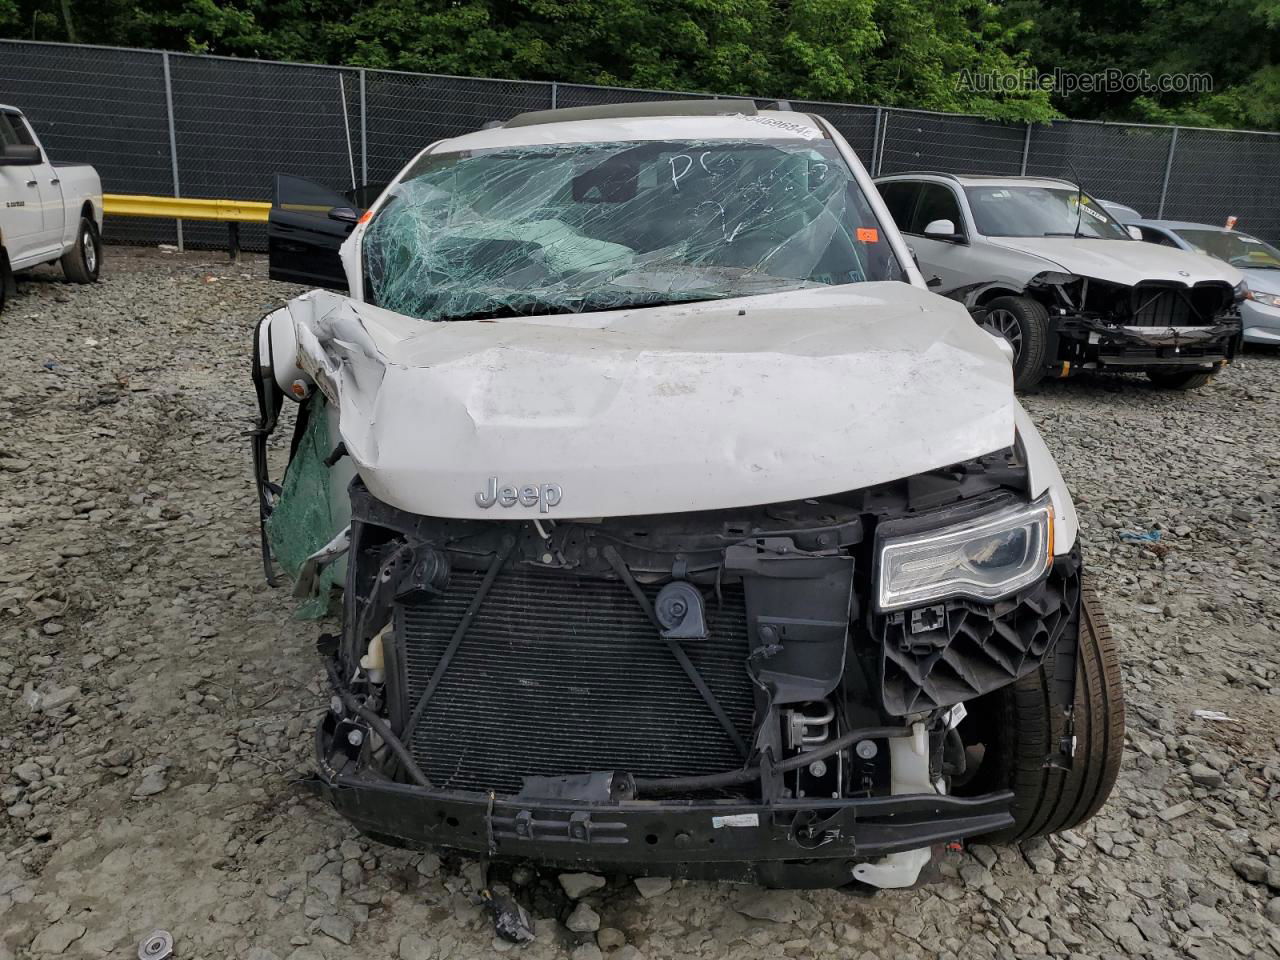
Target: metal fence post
x,y
1026,150
555,94
346,128
1168,169
364,132
173,138
875,142
884,135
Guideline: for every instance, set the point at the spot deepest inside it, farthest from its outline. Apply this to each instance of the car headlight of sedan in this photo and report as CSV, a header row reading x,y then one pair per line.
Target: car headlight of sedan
x,y
1270,299
984,558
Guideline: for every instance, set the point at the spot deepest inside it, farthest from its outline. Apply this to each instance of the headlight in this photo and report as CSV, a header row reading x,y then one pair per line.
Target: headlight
x,y
985,558
1270,299
1242,291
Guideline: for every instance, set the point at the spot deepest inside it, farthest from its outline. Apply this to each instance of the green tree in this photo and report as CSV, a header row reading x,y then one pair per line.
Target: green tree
x,y
892,52
1236,42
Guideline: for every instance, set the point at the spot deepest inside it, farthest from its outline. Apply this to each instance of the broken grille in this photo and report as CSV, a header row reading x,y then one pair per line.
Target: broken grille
x,y
1162,308
1154,305
560,674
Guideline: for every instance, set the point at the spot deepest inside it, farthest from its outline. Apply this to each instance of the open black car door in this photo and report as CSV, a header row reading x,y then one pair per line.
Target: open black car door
x,y
305,228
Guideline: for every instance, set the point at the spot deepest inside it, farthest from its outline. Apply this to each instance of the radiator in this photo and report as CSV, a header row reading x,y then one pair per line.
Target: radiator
x,y
1156,306
559,675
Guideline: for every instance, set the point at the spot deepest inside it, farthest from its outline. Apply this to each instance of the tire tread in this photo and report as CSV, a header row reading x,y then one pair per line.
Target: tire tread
x,y
73,265
1049,799
1033,318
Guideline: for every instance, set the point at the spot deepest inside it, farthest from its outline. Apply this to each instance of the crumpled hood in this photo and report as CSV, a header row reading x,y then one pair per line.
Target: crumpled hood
x,y
686,407
1123,261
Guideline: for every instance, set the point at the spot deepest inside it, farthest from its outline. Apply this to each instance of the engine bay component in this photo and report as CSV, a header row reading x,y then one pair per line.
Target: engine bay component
x,y
679,609
810,727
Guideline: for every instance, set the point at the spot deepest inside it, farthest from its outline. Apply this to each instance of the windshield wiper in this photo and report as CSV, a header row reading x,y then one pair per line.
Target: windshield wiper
x,y
580,304
502,311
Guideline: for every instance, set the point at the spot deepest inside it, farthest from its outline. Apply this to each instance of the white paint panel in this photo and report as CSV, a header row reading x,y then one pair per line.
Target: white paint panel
x,y
688,407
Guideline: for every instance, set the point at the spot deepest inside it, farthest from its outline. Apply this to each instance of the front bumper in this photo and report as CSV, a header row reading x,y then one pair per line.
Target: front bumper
x,y
1087,341
788,843
1261,323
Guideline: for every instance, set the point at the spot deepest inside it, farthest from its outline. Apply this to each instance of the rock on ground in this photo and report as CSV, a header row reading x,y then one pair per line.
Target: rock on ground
x,y
583,919
576,885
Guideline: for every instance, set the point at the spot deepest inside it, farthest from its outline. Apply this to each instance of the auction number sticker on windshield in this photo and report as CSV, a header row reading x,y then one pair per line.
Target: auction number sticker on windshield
x,y
788,126
736,820
868,235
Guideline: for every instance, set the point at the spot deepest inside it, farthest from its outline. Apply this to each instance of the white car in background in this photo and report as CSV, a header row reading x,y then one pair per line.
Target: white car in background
x,y
1259,260
1045,266
1120,212
49,212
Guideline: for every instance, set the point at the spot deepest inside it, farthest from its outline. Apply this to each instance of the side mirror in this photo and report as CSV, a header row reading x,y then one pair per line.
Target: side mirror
x,y
344,215
942,230
19,155
1134,232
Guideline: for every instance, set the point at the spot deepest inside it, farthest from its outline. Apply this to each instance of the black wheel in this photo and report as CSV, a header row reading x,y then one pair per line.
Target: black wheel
x,y
81,263
6,281
1179,379
1026,724
1025,324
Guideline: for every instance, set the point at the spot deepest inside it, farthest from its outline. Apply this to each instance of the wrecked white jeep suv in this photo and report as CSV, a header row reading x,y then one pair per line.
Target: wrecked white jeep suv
x,y
680,529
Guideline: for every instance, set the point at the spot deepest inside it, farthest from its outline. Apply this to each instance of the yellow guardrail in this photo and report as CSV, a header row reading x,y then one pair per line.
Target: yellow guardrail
x,y
185,208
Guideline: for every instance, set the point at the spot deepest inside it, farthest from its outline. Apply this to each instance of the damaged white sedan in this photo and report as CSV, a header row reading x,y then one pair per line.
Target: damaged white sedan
x,y
680,529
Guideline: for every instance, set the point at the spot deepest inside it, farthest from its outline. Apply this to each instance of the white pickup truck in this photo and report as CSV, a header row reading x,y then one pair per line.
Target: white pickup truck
x,y
48,211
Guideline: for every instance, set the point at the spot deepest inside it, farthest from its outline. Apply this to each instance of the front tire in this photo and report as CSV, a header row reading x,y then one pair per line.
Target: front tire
x,y
1025,324
82,262
1029,724
1179,379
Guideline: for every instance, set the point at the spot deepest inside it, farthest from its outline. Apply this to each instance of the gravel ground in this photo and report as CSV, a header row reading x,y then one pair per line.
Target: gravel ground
x,y
160,699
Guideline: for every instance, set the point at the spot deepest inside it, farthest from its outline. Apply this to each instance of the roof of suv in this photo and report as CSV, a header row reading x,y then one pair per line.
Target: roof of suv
x,y
725,120
968,180
1181,225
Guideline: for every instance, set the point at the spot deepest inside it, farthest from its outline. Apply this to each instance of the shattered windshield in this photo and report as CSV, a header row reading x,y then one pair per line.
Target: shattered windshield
x,y
1011,210
598,226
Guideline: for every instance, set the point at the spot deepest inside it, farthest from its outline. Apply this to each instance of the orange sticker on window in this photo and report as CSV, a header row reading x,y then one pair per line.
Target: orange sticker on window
x,y
868,235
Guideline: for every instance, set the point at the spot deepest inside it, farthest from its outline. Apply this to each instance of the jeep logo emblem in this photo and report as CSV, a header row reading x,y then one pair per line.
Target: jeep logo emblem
x,y
544,496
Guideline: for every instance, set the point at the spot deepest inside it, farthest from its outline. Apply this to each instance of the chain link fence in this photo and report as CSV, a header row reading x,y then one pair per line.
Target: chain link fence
x,y
169,124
